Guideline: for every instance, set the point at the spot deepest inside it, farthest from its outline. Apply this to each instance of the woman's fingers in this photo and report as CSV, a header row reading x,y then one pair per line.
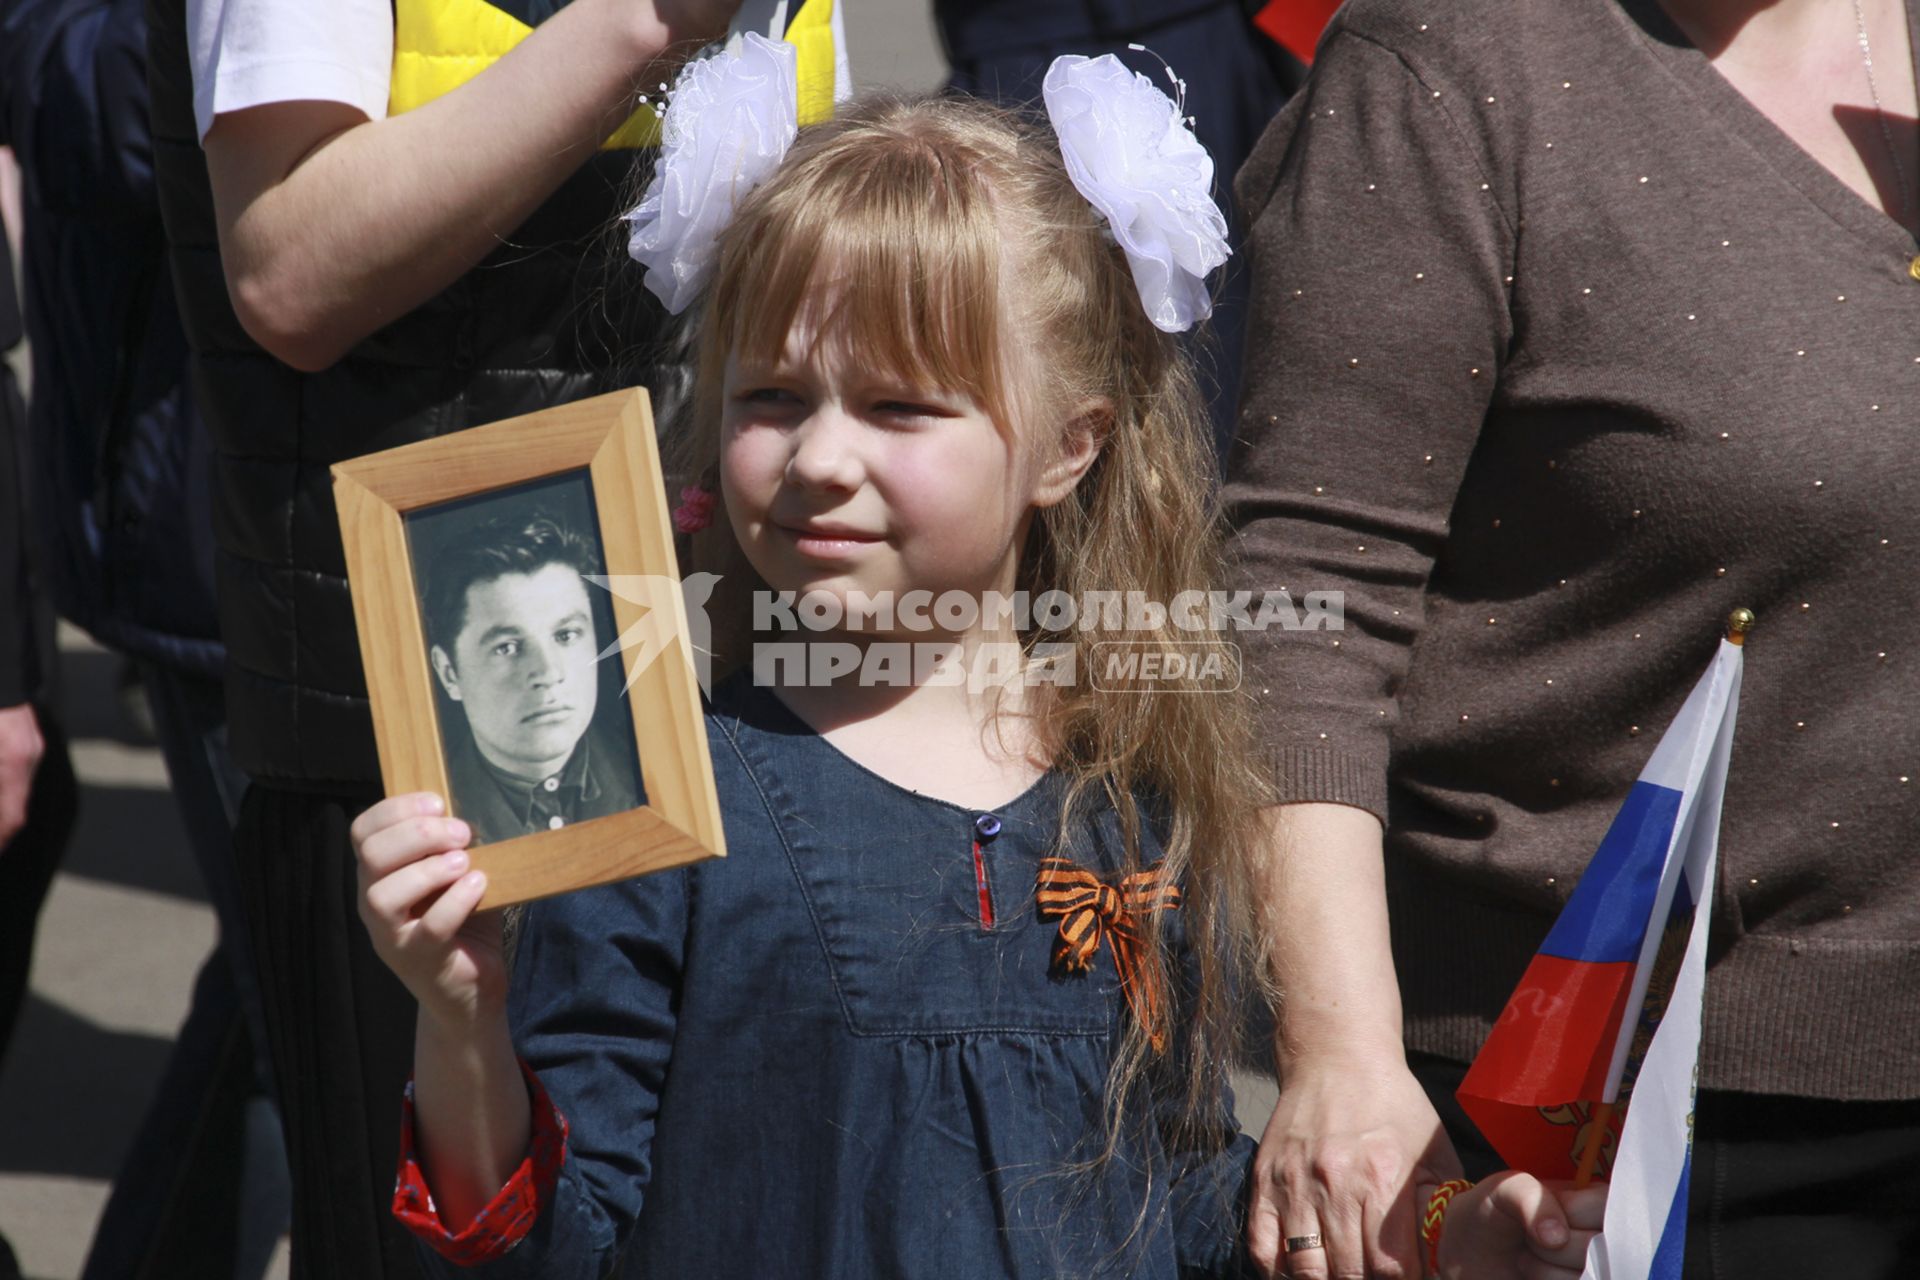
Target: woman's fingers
x,y
1387,1222
1343,1246
1303,1250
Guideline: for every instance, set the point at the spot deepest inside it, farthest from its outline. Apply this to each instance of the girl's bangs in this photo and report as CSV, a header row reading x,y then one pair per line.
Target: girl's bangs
x,y
888,250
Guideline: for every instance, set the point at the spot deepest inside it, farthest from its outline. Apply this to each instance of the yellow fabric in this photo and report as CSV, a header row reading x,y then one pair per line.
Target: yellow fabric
x,y
811,35
439,45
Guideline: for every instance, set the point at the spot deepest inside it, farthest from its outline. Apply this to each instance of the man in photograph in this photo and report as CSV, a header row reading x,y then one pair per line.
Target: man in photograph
x,y
512,635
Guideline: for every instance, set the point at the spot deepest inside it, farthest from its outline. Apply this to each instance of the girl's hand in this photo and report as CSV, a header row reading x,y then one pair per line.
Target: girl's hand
x,y
417,899
1512,1226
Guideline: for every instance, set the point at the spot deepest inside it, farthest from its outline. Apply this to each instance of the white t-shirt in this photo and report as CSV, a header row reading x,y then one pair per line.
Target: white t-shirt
x,y
248,53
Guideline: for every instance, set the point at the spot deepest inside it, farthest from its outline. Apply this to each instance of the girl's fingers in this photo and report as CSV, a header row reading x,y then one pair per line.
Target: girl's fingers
x,y
1572,1255
413,804
389,848
1586,1207
1529,1202
450,910
1532,1268
393,899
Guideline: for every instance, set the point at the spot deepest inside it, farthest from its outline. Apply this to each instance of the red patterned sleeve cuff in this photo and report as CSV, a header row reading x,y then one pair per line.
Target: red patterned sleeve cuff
x,y
507,1218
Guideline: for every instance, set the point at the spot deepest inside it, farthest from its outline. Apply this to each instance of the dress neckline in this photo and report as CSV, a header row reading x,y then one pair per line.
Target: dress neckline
x,y
1734,113
786,720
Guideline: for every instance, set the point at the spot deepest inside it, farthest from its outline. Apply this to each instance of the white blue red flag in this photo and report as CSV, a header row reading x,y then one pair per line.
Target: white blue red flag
x,y
1609,1010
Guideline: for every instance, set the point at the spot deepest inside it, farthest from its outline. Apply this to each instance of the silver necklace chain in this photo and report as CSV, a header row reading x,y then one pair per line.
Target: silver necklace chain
x,y
1879,112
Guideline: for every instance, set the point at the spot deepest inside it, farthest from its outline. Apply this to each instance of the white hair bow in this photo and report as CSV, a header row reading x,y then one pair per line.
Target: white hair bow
x,y
731,118
1134,159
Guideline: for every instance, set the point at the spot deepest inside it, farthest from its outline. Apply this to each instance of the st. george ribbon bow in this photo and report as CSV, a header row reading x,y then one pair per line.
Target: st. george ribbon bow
x,y
1090,909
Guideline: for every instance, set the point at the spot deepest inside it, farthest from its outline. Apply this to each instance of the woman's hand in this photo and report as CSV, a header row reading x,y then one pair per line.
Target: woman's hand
x,y
1340,1158
1512,1226
417,899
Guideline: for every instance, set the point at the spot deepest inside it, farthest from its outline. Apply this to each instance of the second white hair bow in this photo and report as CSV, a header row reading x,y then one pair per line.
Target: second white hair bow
x,y
730,121
1134,159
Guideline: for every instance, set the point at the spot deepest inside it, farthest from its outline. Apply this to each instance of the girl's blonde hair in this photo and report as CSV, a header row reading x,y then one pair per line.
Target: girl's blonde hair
x,y
951,247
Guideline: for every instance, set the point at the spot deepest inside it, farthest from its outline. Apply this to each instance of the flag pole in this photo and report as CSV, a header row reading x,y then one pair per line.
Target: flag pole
x,y
1596,1137
1739,623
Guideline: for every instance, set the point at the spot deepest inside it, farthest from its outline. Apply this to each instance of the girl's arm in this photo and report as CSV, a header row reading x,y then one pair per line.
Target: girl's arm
x,y
472,1124
332,225
471,1120
517,1178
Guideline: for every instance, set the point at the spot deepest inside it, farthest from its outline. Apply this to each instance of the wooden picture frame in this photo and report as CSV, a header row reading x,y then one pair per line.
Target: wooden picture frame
x,y
611,439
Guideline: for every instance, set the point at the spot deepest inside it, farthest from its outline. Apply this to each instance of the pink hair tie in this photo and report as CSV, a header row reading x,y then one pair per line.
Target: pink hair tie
x,y
695,511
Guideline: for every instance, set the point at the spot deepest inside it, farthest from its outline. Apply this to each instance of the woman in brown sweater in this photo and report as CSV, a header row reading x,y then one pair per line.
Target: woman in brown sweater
x,y
1578,324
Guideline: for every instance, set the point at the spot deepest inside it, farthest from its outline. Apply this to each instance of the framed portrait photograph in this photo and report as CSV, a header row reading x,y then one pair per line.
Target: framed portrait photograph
x,y
526,645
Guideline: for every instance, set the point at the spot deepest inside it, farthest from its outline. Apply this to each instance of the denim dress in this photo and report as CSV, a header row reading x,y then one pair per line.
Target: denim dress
x,y
842,1051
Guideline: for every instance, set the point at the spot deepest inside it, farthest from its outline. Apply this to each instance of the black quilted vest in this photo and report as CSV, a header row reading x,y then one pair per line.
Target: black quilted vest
x,y
555,315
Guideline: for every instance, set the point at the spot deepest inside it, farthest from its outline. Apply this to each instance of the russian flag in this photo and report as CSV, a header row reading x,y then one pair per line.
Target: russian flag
x,y
1609,1010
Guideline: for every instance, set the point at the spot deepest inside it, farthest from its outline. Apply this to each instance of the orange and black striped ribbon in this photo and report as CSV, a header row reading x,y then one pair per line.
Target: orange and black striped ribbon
x,y
1090,909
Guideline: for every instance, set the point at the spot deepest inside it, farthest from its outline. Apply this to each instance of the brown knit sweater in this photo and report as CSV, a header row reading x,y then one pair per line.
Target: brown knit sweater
x,y
1561,351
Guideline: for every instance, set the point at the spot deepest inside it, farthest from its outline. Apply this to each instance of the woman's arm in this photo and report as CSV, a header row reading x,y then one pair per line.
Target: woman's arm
x,y
332,225
1352,1130
1381,243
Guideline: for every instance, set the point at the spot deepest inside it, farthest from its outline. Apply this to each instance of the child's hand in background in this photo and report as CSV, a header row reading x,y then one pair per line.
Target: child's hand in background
x,y
1512,1226
417,898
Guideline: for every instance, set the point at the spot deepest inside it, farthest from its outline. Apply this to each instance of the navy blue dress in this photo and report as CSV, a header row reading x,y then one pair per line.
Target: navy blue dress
x,y
814,1059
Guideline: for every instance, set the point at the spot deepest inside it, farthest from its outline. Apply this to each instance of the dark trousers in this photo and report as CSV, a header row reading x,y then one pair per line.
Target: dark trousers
x,y
1792,1188
340,1026
203,1190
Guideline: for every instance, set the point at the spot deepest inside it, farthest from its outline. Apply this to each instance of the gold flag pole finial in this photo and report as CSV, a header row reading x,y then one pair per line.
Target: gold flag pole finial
x,y
1739,622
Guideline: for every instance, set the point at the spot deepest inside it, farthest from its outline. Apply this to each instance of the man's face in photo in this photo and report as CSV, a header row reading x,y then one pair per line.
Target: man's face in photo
x,y
522,667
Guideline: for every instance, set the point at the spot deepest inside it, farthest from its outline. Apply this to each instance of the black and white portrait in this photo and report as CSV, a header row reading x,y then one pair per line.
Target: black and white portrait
x,y
535,727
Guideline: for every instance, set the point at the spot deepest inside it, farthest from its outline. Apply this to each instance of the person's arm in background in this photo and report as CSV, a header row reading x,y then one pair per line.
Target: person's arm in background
x,y
21,744
61,62
332,225
1378,253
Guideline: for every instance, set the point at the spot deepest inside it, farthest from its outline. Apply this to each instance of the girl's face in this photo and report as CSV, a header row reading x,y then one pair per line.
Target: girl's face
x,y
840,478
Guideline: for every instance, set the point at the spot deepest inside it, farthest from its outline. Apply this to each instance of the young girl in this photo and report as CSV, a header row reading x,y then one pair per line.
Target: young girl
x,y
958,1001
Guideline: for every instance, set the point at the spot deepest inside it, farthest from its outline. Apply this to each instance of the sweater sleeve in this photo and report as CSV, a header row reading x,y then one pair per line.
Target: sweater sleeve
x,y
1380,260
